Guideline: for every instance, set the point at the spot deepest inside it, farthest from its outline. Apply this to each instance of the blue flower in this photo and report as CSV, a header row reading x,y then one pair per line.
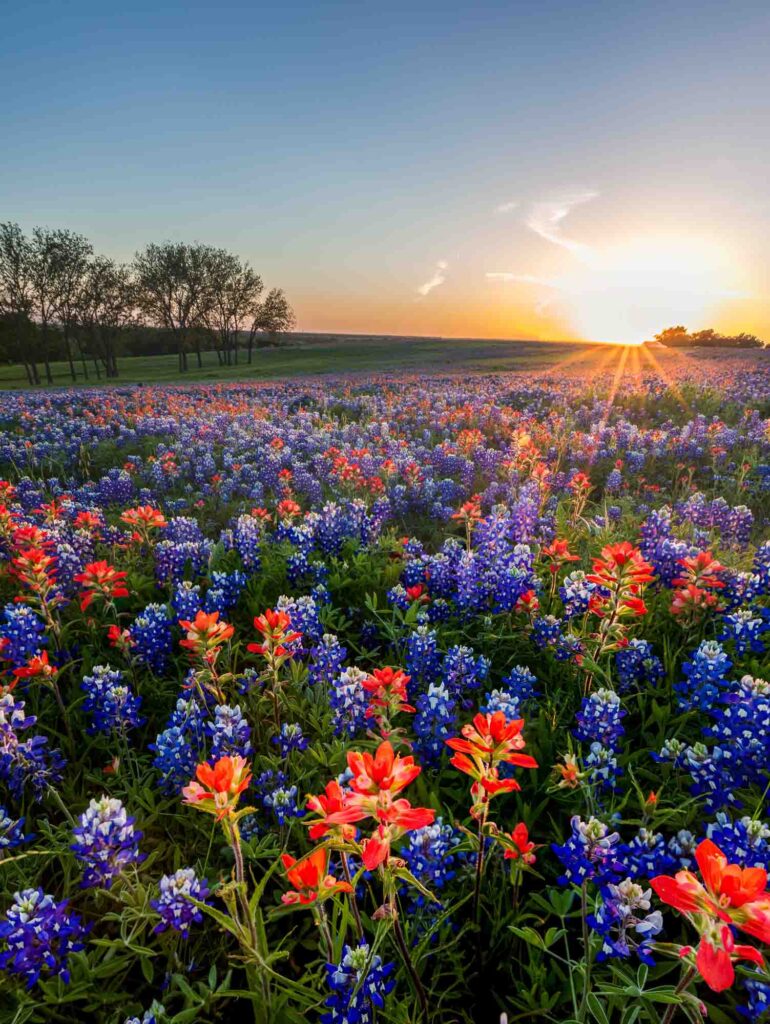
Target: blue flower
x,y
175,902
625,921
110,701
589,853
37,936
290,738
107,842
359,984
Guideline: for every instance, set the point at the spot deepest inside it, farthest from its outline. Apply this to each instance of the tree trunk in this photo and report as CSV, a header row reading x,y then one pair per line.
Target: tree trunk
x,y
68,351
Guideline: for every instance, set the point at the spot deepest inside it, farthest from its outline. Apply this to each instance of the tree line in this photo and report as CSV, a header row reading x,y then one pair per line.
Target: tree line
x,y
680,337
59,299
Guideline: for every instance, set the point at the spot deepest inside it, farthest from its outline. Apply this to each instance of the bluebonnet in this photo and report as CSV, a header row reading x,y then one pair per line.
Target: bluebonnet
x,y
601,764
25,763
423,659
179,748
546,631
348,700
186,600
11,831
646,855
757,989
107,842
599,719
151,634
24,634
229,733
278,796
359,984
589,854
434,722
175,758
326,660
502,700
110,702
746,628
175,901
290,738
745,841
576,592
247,537
462,672
625,921
432,857
303,612
37,935
705,675
174,557
521,682
637,664
682,848
224,591
761,568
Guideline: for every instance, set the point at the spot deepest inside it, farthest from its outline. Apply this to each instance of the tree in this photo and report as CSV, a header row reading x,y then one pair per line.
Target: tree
x,y
16,299
236,290
73,254
274,317
106,306
679,337
174,284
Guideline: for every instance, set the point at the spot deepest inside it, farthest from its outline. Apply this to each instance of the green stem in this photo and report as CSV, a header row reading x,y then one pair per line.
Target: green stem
x,y
671,1009
586,947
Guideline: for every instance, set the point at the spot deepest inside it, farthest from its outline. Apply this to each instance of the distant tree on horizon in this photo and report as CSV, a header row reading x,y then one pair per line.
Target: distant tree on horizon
x,y
680,337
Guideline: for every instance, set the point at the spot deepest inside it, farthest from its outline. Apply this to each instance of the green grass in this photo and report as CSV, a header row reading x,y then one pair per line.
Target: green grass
x,y
337,355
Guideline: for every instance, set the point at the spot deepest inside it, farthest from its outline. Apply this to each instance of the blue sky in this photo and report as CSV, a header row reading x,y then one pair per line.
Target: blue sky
x,y
349,149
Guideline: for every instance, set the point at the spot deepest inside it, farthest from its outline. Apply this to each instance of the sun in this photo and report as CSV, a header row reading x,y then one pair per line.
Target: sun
x,y
629,292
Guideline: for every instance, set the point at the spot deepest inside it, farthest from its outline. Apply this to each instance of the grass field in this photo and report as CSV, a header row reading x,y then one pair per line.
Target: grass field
x,y
341,354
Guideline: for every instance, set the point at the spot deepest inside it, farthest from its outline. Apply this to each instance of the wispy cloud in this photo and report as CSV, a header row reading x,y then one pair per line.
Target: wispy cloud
x,y
508,207
545,218
438,278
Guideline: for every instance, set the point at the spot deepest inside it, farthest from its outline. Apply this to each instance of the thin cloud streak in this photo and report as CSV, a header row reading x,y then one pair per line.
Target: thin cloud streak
x,y
508,207
545,219
439,277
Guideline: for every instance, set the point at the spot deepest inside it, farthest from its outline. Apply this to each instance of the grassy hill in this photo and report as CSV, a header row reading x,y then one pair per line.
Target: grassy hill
x,y
342,354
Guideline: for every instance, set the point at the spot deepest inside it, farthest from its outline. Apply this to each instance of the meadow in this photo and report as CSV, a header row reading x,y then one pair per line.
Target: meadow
x,y
308,354
388,695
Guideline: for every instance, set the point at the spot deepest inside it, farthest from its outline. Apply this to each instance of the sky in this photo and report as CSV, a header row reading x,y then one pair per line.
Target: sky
x,y
505,170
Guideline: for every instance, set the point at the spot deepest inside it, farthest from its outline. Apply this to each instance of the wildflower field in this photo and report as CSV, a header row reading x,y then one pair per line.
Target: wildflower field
x,y
388,699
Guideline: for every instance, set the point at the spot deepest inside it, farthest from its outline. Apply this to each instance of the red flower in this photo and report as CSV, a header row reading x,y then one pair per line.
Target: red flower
x,y
331,801
485,743
383,771
520,847
311,879
37,667
387,696
144,519
558,554
100,580
205,635
731,897
274,627
221,786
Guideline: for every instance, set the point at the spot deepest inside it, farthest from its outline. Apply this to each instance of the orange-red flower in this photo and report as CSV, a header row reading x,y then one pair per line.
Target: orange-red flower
x,y
218,788
702,570
731,897
311,879
331,801
377,780
205,635
144,519
274,627
558,554
99,579
518,845
387,696
385,770
487,742
38,667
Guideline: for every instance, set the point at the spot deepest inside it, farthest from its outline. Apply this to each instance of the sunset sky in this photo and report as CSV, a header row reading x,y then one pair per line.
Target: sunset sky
x,y
541,169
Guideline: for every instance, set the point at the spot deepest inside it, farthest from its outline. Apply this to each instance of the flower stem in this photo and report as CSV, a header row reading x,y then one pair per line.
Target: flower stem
x,y
404,951
668,1016
353,899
